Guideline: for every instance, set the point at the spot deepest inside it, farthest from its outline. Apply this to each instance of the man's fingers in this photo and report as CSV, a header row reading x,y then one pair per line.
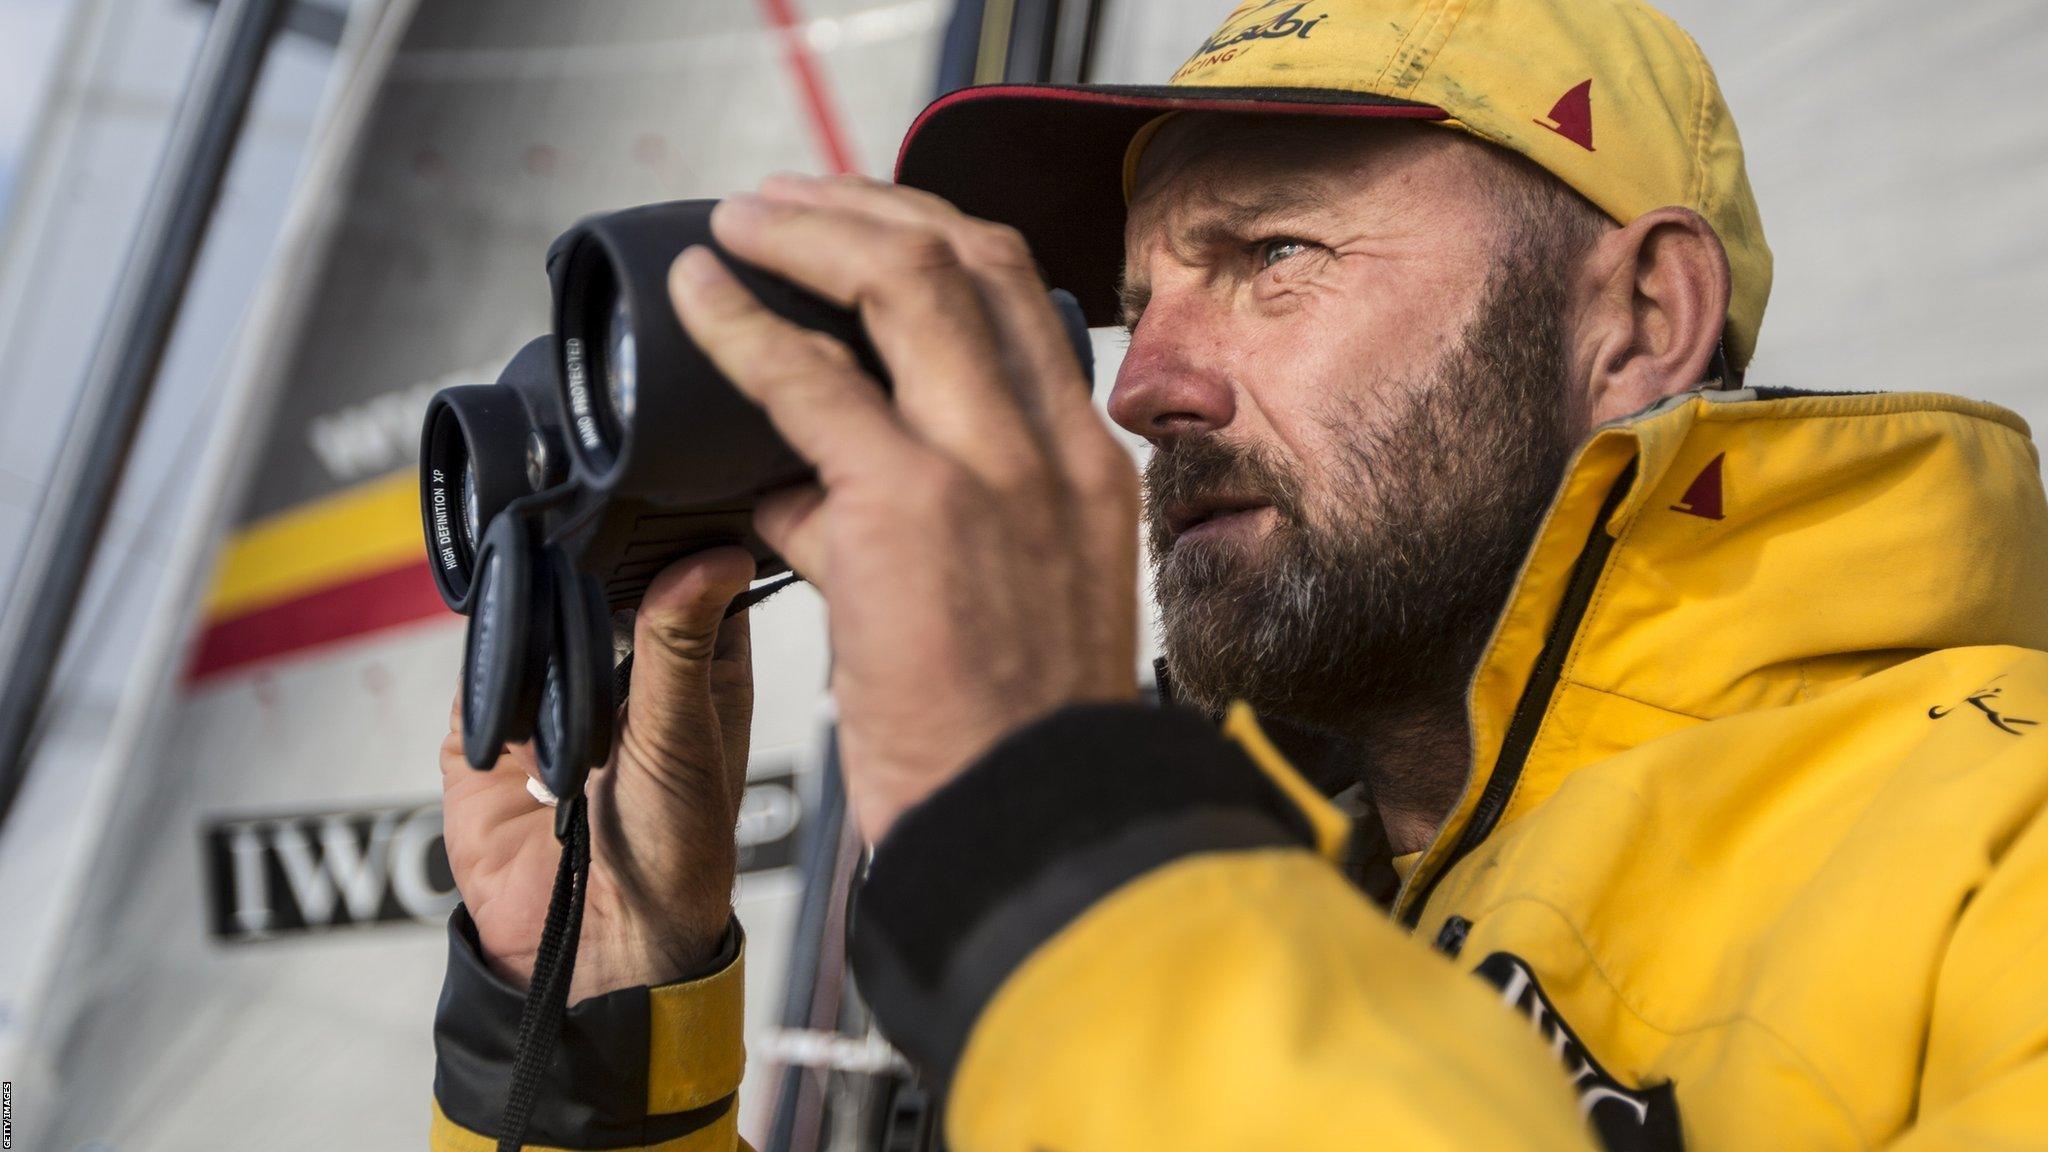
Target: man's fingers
x,y
1051,383
672,724
922,308
887,201
679,617
814,392
792,522
732,698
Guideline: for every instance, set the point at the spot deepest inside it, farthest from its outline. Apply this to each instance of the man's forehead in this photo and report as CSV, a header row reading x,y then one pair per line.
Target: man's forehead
x,y
1191,201
1209,177
1206,168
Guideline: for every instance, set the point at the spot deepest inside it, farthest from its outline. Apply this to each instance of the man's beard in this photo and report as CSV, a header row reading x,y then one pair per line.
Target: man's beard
x,y
1366,608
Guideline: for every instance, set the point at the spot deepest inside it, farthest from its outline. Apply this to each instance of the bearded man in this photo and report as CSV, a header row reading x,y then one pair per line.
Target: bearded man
x,y
1572,747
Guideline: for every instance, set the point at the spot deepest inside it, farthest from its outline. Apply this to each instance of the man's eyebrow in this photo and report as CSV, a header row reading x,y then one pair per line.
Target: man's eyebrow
x,y
1216,220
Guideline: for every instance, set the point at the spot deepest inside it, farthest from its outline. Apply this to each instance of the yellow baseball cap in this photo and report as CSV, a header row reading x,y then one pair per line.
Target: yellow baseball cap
x,y
1609,96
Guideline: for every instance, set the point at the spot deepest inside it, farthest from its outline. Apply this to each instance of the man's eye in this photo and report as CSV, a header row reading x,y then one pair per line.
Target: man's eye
x,y
1272,252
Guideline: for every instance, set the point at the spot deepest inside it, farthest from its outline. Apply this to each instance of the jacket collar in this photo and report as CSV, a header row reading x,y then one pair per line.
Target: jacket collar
x,y
1725,552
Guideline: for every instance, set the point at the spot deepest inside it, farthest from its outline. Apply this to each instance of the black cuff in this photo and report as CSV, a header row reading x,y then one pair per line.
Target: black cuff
x,y
594,1092
1055,817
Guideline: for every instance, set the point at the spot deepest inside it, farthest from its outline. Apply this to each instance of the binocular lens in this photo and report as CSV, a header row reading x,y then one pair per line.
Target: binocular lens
x,y
483,446
472,509
621,365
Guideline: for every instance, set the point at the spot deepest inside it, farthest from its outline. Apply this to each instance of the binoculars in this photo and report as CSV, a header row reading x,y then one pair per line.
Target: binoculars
x,y
604,451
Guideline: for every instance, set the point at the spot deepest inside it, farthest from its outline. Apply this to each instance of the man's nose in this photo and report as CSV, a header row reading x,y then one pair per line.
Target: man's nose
x,y
1170,385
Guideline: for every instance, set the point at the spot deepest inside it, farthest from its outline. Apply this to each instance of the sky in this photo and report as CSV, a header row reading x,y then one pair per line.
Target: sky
x,y
28,40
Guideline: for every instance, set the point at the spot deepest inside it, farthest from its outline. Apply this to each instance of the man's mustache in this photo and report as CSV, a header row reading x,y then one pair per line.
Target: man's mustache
x,y
1196,469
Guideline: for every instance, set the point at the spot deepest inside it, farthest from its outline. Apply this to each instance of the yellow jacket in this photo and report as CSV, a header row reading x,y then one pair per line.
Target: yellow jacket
x,y
1752,855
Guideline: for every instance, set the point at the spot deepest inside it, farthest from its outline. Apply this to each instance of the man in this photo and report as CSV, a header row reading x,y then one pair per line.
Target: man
x,y
1692,734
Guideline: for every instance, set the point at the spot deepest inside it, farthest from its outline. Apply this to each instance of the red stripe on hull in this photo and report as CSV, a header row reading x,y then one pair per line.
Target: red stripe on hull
x,y
386,599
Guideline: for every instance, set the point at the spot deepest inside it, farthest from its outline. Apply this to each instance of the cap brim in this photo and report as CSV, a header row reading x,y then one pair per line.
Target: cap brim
x,y
1048,160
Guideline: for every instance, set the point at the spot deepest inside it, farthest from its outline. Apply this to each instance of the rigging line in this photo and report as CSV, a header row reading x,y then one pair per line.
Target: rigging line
x,y
826,124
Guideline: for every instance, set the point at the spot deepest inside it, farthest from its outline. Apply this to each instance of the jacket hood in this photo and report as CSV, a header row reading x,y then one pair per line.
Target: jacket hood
x,y
1765,549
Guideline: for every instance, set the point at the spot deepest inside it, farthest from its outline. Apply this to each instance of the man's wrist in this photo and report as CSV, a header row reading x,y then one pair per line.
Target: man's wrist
x,y
631,960
605,1088
651,959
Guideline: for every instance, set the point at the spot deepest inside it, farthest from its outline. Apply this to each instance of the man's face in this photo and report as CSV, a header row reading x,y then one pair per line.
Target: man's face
x,y
1350,358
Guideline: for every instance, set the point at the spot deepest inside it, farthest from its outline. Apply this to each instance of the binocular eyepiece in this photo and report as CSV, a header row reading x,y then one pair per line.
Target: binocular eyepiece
x,y
604,451
482,447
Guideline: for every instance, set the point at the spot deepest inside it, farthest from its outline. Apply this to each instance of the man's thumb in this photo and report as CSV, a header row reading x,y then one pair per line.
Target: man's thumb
x,y
676,630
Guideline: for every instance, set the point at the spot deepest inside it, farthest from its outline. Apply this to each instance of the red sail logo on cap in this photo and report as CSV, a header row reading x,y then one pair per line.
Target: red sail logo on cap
x,y
1572,117
1703,499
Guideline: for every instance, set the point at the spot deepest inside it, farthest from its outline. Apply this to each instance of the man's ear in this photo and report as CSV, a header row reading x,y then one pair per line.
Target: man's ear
x,y
1655,302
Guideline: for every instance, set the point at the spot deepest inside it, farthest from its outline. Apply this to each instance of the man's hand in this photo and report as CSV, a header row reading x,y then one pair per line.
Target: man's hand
x,y
662,812
975,540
